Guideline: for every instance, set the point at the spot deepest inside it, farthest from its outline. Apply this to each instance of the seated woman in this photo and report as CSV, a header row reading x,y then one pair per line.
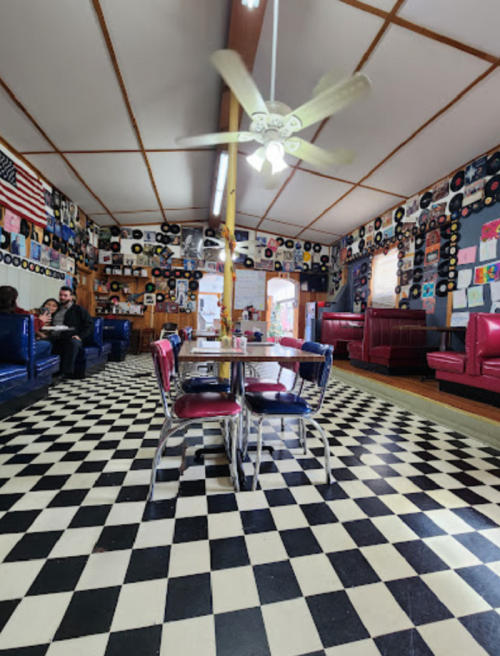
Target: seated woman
x,y
49,308
8,305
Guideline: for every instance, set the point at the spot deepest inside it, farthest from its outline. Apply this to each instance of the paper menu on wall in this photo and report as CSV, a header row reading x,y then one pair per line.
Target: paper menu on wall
x,y
467,255
460,319
487,250
495,291
250,289
459,299
475,296
464,278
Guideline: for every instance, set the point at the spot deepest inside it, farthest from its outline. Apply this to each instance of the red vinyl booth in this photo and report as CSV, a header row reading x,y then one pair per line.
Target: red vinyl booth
x,y
478,367
341,328
387,349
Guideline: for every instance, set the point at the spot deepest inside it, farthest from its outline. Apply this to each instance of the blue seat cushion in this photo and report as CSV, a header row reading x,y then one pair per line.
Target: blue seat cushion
x,y
12,375
277,403
202,385
90,352
106,347
49,365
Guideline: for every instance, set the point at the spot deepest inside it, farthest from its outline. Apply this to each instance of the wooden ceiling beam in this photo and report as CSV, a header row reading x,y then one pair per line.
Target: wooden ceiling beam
x,y
245,26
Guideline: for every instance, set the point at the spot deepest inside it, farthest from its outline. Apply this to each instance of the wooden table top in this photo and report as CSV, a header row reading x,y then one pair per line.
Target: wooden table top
x,y
436,329
274,353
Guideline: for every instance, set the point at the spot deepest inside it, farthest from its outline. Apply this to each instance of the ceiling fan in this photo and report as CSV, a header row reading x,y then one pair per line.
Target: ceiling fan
x,y
273,124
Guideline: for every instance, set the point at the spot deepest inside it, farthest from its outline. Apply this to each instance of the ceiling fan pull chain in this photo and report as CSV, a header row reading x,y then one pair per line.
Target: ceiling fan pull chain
x,y
275,45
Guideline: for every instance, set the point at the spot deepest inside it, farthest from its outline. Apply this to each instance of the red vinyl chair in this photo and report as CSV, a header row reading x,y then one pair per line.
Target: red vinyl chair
x,y
189,409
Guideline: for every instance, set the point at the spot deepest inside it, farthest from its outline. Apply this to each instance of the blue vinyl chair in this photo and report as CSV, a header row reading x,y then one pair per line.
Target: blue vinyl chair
x,y
195,385
267,405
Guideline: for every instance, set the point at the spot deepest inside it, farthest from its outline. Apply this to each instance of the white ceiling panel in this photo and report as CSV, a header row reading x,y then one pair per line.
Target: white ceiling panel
x,y
279,228
473,23
251,196
139,218
102,219
247,221
359,207
305,197
120,180
54,57
317,236
18,130
385,5
163,50
183,179
403,97
315,38
61,176
201,214
469,128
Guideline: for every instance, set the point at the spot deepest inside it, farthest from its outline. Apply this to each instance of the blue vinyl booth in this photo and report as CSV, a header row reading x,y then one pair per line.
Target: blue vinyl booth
x,y
24,379
117,338
93,355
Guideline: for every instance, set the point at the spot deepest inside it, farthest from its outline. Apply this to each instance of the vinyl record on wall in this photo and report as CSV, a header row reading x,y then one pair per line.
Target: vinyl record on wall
x,y
399,214
186,274
415,291
457,181
362,232
268,253
466,212
317,248
401,246
47,238
305,267
455,215
404,304
426,200
5,239
419,241
361,246
477,206
248,263
159,237
442,218
494,163
289,243
136,248
278,266
150,287
166,273
137,234
490,200
378,238
378,223
349,252
397,290
178,273
192,297
452,274
115,231
442,288
171,283
175,229
456,202
197,275
308,246
193,285
56,244
433,224
280,241
156,272
16,260
160,297
165,227
419,258
455,238
418,274
451,286
444,269
115,246
210,232
350,240
364,268
324,259
115,286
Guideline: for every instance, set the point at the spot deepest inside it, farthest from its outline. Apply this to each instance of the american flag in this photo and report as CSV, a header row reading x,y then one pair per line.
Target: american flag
x,y
20,190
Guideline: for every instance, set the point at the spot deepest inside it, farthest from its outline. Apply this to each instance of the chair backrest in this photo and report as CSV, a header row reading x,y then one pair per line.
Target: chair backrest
x,y
186,334
344,326
291,342
170,327
96,338
317,372
121,330
176,343
163,359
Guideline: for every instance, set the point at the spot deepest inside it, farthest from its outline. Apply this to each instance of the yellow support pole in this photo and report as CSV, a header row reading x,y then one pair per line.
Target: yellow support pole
x,y
230,218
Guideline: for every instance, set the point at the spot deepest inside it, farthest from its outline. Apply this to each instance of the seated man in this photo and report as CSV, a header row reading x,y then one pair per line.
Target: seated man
x,y
68,343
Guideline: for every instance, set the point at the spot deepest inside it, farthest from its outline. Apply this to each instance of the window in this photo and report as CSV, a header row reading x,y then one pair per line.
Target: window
x,y
385,279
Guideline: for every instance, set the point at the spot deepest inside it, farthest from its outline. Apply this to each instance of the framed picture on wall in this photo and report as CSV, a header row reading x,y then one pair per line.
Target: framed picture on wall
x,y
192,239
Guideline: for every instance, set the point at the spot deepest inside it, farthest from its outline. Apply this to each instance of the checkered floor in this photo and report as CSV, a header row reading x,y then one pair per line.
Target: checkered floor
x,y
400,556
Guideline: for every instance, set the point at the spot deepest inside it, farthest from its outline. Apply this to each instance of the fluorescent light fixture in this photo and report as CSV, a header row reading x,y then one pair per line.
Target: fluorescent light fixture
x,y
250,3
221,183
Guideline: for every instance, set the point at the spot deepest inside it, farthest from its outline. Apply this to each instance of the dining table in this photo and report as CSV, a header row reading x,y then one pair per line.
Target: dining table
x,y
238,357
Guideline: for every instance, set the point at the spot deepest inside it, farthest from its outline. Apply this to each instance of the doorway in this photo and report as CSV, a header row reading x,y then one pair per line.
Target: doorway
x,y
209,296
282,308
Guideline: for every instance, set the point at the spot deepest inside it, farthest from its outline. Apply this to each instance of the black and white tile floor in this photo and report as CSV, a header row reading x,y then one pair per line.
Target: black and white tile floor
x,y
400,556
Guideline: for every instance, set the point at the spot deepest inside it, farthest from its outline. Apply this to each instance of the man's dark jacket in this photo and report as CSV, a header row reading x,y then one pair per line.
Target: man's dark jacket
x,y
78,318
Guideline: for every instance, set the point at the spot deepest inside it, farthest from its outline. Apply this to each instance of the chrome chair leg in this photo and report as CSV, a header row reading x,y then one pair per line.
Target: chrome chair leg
x,y
233,424
246,432
166,431
282,425
303,435
328,468
259,454
225,433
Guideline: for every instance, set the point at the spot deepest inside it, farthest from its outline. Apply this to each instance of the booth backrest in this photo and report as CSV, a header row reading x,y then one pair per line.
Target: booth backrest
x,y
121,330
96,338
17,340
382,329
339,326
482,340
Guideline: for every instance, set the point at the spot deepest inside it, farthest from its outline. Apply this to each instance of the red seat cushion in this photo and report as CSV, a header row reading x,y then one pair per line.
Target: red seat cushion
x,y
192,406
263,385
355,350
447,361
492,367
387,352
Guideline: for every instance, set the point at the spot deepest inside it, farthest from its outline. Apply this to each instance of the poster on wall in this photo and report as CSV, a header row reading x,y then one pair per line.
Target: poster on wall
x,y
192,239
487,273
491,230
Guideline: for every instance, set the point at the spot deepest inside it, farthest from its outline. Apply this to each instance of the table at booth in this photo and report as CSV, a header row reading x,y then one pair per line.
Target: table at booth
x,y
446,332
238,358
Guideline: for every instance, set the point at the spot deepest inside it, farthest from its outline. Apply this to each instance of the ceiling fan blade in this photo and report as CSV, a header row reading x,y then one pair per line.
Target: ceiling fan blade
x,y
330,101
214,139
235,74
318,157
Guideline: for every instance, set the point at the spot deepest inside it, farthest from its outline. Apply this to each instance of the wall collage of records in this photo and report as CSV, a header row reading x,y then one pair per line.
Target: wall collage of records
x,y
447,240
42,231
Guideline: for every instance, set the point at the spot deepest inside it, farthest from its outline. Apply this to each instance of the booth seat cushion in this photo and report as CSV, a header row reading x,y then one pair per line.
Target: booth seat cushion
x,y
277,403
12,375
355,350
192,406
200,385
106,348
49,365
395,353
491,367
447,361
264,386
89,352
119,345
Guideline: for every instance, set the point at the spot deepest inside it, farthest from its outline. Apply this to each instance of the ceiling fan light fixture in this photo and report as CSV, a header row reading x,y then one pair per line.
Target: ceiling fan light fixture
x,y
251,4
275,153
257,159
